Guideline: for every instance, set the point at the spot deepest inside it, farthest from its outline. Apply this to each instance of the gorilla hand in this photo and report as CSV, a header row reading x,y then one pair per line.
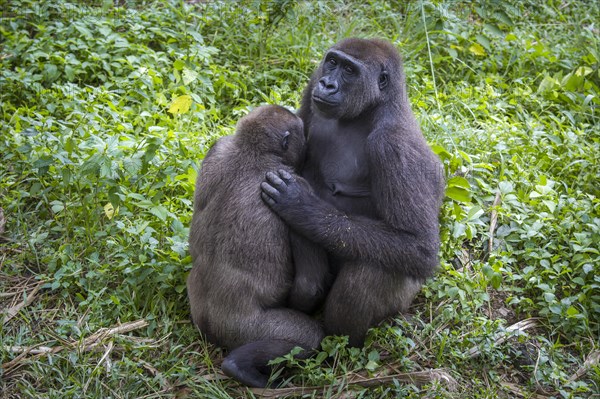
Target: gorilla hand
x,y
284,192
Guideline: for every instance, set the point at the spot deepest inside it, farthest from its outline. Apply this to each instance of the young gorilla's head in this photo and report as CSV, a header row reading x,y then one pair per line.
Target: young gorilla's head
x,y
272,129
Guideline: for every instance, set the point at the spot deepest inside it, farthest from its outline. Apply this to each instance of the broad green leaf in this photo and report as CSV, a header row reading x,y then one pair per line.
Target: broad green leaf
x,y
465,156
66,175
57,206
555,139
110,211
371,365
457,211
572,82
83,30
572,311
181,104
469,232
69,145
477,49
189,76
550,204
179,65
535,194
321,357
106,167
548,84
459,194
160,212
474,213
452,292
43,162
493,29
459,230
556,309
69,72
503,17
496,280
153,129
176,225
506,187
459,181
374,356
441,151
549,297
161,99
132,166
487,271
583,71
484,41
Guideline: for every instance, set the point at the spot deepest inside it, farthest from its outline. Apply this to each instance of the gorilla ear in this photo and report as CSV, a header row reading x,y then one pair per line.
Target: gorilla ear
x,y
383,79
285,140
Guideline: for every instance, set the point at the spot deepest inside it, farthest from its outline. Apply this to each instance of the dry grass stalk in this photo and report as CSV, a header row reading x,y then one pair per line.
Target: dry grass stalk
x,y
14,310
500,338
418,378
520,392
494,220
592,360
87,344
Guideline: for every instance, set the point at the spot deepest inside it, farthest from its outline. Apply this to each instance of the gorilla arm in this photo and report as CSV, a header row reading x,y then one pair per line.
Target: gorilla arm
x,y
406,187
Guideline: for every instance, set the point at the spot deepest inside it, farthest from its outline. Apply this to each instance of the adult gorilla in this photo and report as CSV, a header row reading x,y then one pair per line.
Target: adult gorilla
x,y
377,187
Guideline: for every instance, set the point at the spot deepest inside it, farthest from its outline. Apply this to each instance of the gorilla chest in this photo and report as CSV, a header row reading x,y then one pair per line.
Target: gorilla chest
x,y
337,166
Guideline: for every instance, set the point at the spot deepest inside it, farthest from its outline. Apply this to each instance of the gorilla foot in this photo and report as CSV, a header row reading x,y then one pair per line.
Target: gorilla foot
x,y
249,363
245,374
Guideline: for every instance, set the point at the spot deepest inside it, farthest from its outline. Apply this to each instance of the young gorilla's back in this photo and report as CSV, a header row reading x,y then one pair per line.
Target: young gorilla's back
x,y
237,266
243,267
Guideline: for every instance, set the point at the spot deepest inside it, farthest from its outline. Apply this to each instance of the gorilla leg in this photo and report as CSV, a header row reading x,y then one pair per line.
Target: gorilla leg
x,y
275,332
364,295
311,278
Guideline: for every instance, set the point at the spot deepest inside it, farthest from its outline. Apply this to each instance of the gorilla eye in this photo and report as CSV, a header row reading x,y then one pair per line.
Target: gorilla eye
x,y
285,141
349,69
383,80
332,61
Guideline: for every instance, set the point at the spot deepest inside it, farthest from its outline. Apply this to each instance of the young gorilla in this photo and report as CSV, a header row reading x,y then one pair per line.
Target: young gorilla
x,y
377,187
243,270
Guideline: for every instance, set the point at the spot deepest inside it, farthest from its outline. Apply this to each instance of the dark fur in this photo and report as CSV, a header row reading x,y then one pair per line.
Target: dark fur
x,y
377,186
243,270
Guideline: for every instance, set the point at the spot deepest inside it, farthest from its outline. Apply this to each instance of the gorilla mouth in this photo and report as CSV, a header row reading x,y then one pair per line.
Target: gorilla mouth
x,y
321,101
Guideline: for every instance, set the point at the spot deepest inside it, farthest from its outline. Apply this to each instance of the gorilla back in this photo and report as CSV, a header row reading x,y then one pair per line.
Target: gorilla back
x,y
242,261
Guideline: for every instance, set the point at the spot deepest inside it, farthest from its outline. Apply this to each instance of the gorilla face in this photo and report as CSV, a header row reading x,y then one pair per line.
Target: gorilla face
x,y
346,85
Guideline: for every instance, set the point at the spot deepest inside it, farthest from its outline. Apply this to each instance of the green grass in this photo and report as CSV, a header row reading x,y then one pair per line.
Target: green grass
x,y
107,112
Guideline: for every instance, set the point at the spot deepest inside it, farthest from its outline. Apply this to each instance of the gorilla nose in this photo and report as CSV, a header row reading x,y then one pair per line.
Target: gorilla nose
x,y
328,86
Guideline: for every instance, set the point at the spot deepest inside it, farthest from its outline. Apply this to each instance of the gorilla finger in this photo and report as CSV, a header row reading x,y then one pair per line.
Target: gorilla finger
x,y
275,181
269,190
270,175
270,201
285,175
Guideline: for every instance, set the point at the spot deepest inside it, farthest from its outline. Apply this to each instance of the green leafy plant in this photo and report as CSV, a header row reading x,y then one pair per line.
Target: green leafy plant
x,y
108,108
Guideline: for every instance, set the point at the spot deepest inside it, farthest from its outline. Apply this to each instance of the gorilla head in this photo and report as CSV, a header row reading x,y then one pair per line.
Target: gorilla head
x,y
271,130
356,76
